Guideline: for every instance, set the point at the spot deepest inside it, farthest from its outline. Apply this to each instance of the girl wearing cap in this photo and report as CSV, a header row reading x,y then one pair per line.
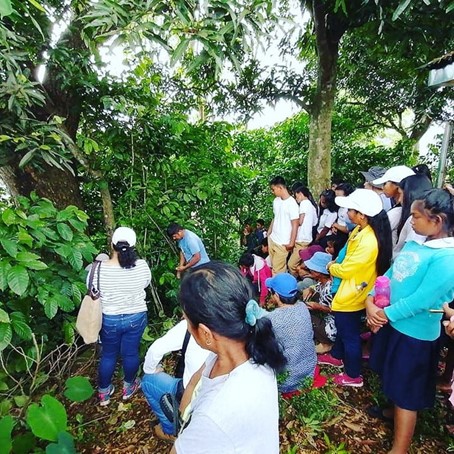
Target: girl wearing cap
x,y
390,180
405,348
293,328
231,403
368,255
321,316
122,282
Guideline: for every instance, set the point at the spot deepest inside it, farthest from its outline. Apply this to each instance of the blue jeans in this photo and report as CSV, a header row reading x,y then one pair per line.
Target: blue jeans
x,y
154,386
348,341
120,334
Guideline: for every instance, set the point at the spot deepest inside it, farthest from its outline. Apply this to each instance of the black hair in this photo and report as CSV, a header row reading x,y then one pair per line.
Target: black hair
x,y
247,259
173,228
127,256
329,196
216,294
413,187
278,181
260,221
337,246
307,193
264,242
296,185
346,187
422,169
382,230
288,299
439,202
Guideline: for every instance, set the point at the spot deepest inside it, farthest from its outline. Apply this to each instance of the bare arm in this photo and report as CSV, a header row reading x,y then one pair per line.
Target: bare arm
x,y
270,229
194,260
295,225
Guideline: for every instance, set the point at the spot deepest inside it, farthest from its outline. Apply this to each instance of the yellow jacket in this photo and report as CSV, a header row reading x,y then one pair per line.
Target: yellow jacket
x,y
357,271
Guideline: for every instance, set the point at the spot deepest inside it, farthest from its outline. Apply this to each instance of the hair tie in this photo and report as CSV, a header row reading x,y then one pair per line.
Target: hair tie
x,y
253,312
123,249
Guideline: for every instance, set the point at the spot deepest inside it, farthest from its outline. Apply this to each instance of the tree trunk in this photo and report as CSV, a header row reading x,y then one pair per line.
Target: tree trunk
x,y
59,186
319,156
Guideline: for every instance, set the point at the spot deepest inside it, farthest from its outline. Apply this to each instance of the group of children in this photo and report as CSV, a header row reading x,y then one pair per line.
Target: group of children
x,y
397,226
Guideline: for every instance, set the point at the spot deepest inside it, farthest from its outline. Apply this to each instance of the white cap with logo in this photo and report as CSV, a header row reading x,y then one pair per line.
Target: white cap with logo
x,y
395,174
363,200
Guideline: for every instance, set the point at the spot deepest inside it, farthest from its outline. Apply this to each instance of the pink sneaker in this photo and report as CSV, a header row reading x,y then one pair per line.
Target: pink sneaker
x,y
330,360
344,380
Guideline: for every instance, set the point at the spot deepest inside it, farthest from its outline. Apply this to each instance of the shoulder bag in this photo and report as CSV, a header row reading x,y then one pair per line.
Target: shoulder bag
x,y
89,318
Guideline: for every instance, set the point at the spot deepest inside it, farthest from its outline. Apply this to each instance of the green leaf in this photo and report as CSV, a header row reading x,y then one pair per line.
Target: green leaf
x,y
5,406
37,5
21,401
75,259
78,389
9,216
64,251
78,225
6,428
4,269
48,420
24,443
5,8
65,231
24,237
27,257
36,265
6,334
51,307
18,279
400,9
20,326
65,303
65,445
4,317
9,246
69,333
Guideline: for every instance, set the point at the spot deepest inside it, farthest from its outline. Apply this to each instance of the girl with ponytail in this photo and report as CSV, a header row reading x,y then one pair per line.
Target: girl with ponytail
x,y
233,398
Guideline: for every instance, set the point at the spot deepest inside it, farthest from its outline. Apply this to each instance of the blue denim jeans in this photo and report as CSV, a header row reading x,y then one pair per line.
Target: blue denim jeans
x,y
120,335
154,386
348,341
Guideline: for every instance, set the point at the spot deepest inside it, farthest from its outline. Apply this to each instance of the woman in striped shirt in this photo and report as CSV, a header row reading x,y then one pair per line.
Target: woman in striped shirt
x,y
122,282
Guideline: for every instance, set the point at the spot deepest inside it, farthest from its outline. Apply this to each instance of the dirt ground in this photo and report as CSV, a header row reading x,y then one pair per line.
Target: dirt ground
x,y
126,427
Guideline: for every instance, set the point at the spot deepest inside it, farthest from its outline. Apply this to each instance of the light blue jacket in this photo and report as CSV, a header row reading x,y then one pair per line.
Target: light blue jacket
x,y
422,278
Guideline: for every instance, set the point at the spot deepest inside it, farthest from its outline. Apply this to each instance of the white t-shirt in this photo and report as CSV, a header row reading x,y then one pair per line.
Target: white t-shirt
x,y
407,234
304,234
327,219
394,215
284,212
233,414
342,217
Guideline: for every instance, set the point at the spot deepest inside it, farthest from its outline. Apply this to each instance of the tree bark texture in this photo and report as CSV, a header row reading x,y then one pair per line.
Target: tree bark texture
x,y
319,155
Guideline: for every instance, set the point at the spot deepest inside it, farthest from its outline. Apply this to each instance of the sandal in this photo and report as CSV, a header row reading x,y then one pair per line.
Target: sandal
x,y
376,412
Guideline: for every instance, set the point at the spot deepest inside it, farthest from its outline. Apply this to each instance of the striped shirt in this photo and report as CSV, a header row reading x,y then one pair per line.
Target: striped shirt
x,y
123,289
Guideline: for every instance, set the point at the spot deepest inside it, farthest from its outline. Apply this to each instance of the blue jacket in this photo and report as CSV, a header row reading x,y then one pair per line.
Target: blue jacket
x,y
422,278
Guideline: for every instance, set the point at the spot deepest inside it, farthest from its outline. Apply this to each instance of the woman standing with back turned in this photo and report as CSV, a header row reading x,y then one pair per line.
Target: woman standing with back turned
x,y
122,282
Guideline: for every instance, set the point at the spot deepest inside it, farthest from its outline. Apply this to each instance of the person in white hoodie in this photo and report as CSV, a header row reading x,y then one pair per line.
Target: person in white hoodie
x,y
257,270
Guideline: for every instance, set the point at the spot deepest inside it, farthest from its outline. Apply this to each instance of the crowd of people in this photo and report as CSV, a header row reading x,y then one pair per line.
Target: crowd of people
x,y
302,295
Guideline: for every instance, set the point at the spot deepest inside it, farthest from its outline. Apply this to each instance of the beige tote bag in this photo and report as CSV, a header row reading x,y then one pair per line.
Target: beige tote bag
x,y
89,318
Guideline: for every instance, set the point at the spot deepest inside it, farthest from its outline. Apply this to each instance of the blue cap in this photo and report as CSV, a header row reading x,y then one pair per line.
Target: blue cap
x,y
318,262
284,284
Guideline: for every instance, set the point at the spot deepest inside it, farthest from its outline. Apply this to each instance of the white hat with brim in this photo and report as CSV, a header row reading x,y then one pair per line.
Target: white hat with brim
x,y
363,200
395,174
124,234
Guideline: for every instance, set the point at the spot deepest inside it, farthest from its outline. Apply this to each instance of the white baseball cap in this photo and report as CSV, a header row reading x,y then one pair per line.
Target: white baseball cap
x,y
395,174
124,234
363,200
